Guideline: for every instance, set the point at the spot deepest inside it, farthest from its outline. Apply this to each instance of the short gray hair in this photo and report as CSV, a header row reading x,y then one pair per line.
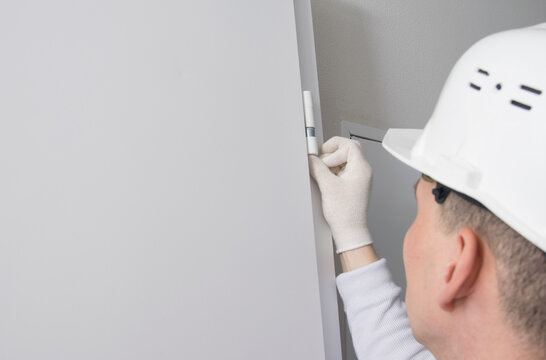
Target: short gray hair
x,y
521,267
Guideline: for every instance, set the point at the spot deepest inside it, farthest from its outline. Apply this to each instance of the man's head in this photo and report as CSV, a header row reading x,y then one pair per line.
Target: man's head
x,y
520,266
460,258
475,250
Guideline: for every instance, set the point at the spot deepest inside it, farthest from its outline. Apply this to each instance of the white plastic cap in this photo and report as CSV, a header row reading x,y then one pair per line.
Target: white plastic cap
x,y
312,146
308,109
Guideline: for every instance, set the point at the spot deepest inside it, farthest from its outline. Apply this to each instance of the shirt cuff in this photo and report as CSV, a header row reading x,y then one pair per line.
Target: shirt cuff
x,y
364,280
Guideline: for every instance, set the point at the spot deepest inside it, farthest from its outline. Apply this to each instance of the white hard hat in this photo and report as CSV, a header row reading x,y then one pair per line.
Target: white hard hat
x,y
487,136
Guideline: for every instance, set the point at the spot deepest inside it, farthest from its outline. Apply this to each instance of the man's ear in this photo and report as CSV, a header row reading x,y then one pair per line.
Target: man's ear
x,y
461,273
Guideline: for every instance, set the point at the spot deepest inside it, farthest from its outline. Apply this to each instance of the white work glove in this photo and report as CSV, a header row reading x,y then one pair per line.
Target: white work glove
x,y
344,177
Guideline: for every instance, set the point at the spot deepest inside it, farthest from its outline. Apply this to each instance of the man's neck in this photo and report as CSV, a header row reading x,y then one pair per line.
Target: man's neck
x,y
498,341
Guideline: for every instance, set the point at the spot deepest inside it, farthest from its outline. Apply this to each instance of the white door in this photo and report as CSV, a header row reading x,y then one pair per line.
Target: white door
x,y
155,201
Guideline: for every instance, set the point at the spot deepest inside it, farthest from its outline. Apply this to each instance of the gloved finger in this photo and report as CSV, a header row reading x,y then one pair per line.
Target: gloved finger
x,y
355,157
337,158
319,171
335,143
347,159
349,151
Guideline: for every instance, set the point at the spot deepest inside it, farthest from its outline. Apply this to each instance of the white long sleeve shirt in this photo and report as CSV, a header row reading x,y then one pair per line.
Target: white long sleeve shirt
x,y
377,316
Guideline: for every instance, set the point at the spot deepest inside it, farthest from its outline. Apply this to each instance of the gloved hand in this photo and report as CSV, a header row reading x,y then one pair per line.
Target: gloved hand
x,y
344,177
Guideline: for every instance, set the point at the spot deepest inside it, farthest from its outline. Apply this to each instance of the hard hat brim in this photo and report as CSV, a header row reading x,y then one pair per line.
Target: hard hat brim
x,y
400,142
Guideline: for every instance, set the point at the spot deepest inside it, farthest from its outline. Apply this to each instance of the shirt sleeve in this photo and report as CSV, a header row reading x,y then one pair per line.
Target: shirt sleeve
x,y
377,316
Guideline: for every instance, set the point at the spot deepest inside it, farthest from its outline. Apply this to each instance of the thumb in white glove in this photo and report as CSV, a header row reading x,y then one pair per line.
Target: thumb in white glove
x,y
343,177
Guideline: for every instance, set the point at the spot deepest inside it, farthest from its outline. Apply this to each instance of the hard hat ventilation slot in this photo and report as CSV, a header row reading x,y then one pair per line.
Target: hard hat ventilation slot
x,y
530,89
477,87
520,105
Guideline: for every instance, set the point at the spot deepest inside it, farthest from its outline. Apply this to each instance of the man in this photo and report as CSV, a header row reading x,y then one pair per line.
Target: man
x,y
475,255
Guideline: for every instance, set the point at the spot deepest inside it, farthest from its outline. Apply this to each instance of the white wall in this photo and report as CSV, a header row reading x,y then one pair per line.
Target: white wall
x,y
383,63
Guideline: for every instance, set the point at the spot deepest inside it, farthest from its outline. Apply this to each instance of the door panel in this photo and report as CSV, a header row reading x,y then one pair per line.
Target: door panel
x,y
155,197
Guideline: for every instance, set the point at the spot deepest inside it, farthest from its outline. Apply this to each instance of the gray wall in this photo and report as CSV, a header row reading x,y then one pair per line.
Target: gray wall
x,y
383,63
